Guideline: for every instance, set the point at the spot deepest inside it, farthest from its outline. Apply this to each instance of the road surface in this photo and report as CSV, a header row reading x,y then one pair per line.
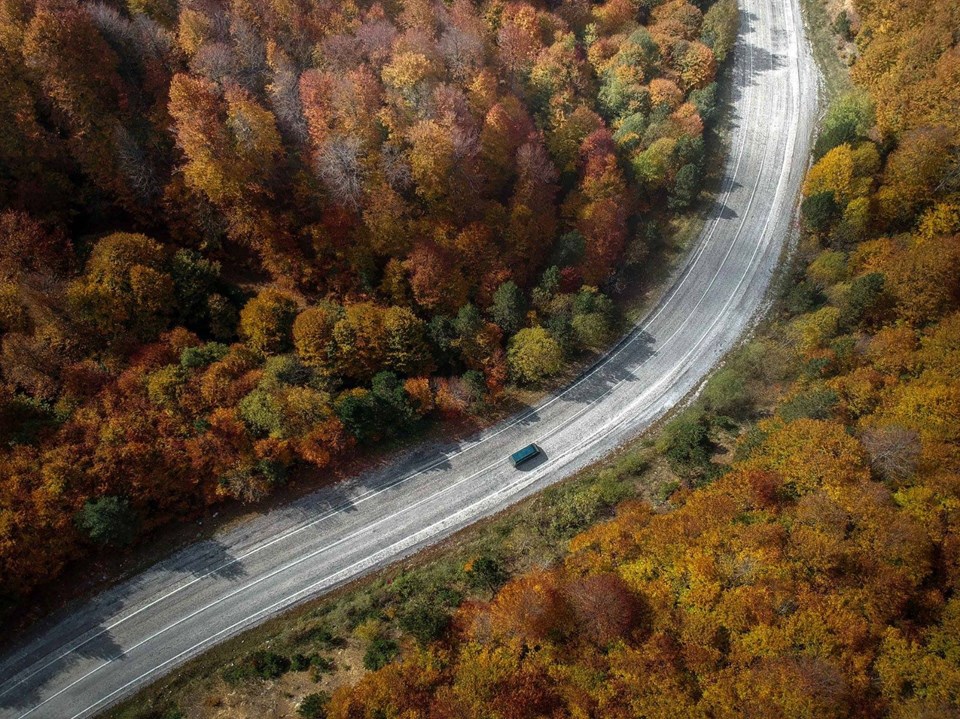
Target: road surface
x,y
81,662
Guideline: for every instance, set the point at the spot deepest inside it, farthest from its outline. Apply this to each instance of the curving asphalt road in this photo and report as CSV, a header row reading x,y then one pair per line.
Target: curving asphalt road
x,y
88,658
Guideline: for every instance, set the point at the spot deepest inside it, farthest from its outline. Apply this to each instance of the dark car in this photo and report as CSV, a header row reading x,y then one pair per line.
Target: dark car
x,y
525,454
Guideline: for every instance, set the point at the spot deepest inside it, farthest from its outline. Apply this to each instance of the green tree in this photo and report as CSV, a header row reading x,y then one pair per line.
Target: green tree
x,y
262,412
592,318
285,370
591,329
863,299
468,321
357,410
284,412
622,93
720,26
391,402
686,187
707,102
108,521
194,278
203,355
534,355
820,211
848,119
508,307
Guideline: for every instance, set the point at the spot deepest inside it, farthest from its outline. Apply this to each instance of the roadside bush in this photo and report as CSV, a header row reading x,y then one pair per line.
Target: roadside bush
x,y
318,634
424,618
842,26
234,675
320,665
261,664
408,586
165,711
815,404
380,652
725,394
269,665
575,510
633,464
767,360
667,490
803,297
485,573
567,509
686,443
314,706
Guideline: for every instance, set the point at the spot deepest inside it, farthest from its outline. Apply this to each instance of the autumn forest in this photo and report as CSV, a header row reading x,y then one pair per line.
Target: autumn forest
x,y
248,242
239,239
813,571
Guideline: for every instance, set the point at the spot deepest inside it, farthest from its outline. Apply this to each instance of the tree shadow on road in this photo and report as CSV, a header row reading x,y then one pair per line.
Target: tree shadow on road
x,y
25,674
758,60
209,558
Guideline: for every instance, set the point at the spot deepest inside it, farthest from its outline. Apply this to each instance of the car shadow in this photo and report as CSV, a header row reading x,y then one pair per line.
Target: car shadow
x,y
533,462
